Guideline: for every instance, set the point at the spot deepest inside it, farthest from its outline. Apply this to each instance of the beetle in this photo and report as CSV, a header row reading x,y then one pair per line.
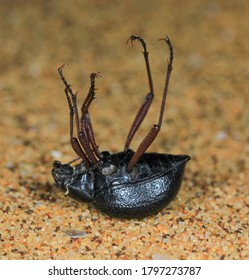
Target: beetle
x,y
127,184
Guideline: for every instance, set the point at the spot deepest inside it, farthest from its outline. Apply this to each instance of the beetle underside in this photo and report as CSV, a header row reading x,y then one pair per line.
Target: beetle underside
x,y
152,184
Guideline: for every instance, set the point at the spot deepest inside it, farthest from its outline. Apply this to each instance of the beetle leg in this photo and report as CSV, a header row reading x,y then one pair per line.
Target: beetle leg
x,y
146,58
82,134
85,121
72,161
90,135
91,94
148,99
85,118
150,137
74,141
168,73
73,112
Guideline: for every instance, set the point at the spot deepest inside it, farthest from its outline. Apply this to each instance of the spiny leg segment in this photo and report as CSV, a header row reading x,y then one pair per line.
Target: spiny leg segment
x,y
85,121
149,97
150,137
74,141
84,128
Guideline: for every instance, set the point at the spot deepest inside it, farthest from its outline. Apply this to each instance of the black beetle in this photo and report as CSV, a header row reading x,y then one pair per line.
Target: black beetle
x,y
126,184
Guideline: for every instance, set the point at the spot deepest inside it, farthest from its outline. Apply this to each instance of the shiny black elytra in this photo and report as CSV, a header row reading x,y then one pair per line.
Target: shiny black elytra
x,y
126,184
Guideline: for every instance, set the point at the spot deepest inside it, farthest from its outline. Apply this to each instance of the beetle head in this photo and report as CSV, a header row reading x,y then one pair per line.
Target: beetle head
x,y
62,174
73,181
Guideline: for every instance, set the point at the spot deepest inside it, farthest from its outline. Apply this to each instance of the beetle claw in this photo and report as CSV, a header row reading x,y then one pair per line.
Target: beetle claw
x,y
95,75
132,38
62,66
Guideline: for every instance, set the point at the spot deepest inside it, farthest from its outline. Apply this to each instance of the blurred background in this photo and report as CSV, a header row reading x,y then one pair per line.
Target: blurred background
x,y
206,114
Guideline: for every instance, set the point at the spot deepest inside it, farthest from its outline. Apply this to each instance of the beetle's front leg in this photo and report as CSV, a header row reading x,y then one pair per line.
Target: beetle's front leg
x,y
74,141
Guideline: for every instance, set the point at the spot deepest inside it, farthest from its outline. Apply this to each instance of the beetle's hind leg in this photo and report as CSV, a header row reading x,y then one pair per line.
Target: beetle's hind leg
x,y
150,137
149,97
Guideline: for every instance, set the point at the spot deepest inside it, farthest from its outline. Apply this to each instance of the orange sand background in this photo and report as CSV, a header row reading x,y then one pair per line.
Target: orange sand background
x,y
206,117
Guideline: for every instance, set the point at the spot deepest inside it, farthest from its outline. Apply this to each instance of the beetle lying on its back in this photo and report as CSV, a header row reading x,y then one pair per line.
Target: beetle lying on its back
x,y
126,184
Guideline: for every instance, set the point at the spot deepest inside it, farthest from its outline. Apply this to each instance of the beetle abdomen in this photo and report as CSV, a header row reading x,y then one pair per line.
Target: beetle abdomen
x,y
140,198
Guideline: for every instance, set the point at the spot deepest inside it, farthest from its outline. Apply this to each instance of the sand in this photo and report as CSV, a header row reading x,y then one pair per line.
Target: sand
x,y
206,117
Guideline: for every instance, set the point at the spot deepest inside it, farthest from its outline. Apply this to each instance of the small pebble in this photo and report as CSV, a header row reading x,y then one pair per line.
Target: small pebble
x,y
74,233
221,135
56,154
